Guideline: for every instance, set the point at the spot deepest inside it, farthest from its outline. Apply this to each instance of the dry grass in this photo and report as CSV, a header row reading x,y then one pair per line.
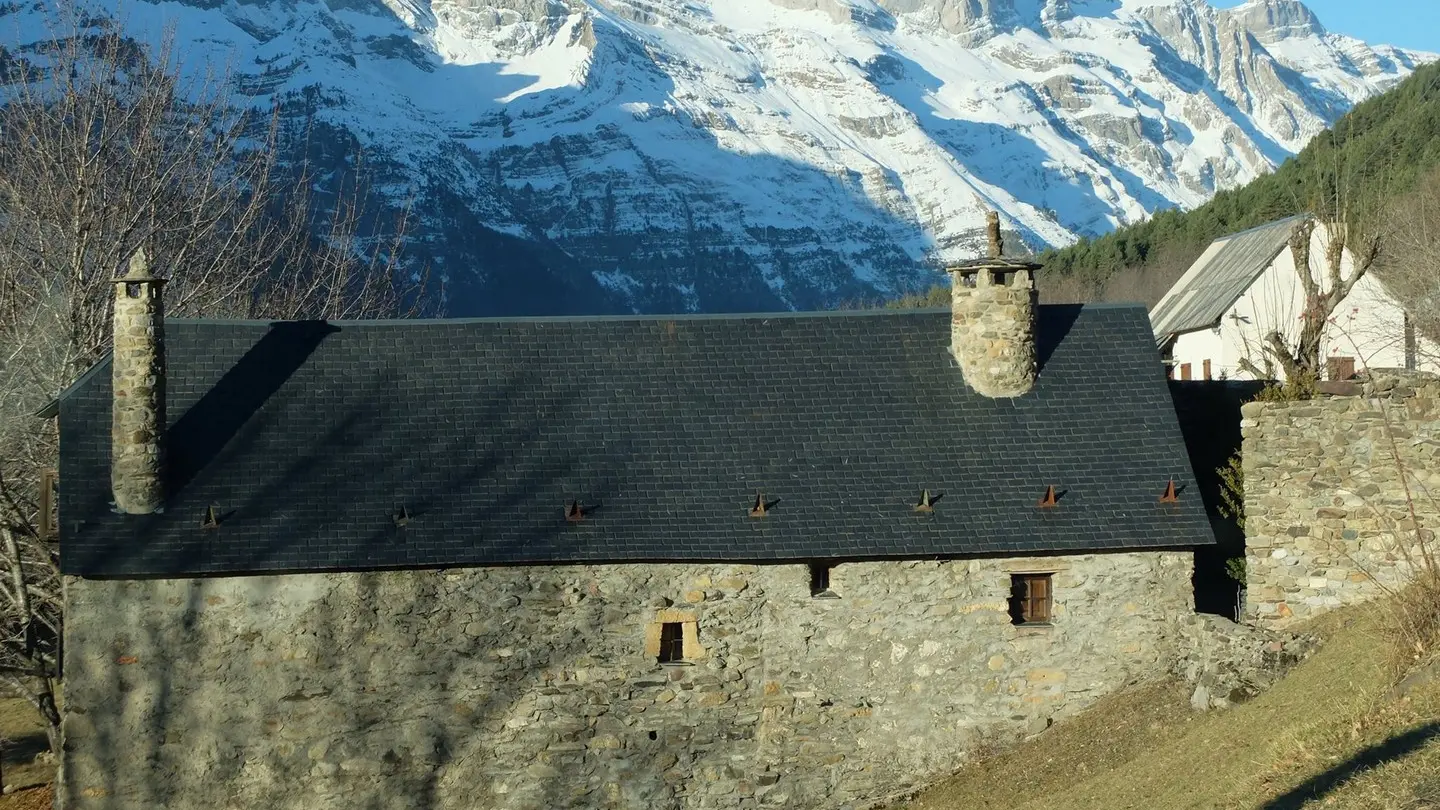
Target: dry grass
x,y
1333,733
24,738
34,798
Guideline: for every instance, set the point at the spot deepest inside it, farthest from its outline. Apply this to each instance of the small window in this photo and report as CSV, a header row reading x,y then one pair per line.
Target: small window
x,y
1030,598
820,582
1340,368
1184,371
674,637
1207,369
672,643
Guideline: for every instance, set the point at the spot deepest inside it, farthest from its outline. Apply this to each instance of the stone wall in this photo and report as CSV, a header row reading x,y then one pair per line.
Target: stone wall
x,y
532,687
1327,518
1230,663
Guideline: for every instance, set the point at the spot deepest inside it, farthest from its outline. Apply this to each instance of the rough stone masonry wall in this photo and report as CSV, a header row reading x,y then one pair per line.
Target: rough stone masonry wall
x,y
992,332
138,380
1326,516
530,687
1230,663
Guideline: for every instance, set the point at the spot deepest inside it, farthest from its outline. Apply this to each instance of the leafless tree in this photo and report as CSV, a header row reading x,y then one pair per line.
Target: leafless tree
x,y
105,148
1324,289
1346,202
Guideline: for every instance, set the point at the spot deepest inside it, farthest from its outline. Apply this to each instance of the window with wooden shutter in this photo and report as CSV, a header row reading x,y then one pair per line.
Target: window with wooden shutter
x,y
1340,368
1030,598
1184,371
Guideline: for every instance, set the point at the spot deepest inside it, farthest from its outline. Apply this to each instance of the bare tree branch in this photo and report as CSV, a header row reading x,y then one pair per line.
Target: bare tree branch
x,y
105,148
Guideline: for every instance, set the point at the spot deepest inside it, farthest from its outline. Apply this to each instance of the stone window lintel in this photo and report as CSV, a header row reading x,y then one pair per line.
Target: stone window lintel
x,y
1035,565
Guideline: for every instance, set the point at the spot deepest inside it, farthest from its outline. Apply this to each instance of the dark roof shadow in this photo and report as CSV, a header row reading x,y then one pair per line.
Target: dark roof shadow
x,y
1052,324
1392,749
197,437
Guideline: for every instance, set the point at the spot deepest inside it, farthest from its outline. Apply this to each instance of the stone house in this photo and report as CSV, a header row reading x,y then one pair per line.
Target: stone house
x,y
796,560
1244,286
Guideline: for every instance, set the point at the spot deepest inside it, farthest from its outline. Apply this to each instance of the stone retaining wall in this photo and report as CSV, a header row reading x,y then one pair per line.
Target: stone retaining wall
x,y
532,687
1327,515
1230,663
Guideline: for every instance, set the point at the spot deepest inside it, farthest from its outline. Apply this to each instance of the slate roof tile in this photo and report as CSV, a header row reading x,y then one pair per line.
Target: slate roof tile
x,y
308,436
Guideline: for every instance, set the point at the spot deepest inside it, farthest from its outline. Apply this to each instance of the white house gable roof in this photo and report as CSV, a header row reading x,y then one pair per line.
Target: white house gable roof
x,y
1219,277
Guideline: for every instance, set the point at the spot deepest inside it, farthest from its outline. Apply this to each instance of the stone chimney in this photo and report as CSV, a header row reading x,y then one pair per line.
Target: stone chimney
x,y
138,385
992,322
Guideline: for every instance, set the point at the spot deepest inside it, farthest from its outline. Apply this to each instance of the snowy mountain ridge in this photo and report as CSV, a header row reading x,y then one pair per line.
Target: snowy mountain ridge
x,y
680,155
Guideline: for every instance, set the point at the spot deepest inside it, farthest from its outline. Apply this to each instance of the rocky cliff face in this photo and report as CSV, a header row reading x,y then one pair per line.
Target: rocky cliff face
x,y
672,155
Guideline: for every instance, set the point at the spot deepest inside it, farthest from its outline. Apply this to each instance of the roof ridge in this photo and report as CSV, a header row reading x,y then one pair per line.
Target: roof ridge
x,y
637,318
1262,226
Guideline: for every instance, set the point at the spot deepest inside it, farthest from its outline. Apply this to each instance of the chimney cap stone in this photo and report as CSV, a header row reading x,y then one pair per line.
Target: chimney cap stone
x,y
972,265
137,270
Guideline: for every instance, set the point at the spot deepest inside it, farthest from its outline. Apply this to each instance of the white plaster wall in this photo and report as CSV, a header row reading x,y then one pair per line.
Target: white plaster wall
x,y
1194,348
1368,325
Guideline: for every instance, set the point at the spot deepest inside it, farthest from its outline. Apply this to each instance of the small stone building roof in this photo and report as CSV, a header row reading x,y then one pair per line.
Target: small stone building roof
x,y
1219,277
363,445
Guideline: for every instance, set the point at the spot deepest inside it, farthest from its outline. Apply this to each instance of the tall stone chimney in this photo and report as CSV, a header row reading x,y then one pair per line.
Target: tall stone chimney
x,y
138,383
992,321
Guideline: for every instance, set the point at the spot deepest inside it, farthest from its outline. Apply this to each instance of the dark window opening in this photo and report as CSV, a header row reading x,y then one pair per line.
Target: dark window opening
x,y
132,290
1030,598
820,582
672,643
653,735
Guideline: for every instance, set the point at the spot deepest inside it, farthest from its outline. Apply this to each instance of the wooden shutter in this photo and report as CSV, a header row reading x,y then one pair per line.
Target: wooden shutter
x,y
1030,598
48,517
1340,368
1184,371
1037,587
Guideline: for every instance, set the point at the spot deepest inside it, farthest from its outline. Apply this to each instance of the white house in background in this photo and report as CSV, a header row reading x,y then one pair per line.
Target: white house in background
x,y
1245,286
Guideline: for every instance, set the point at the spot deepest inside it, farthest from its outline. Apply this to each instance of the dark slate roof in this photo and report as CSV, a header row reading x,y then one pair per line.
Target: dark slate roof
x,y
308,436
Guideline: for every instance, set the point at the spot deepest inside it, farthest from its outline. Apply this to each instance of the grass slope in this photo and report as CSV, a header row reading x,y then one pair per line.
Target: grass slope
x,y
1331,734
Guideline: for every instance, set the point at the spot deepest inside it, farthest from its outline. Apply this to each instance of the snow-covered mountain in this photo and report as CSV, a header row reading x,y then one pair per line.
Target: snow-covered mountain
x,y
673,155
